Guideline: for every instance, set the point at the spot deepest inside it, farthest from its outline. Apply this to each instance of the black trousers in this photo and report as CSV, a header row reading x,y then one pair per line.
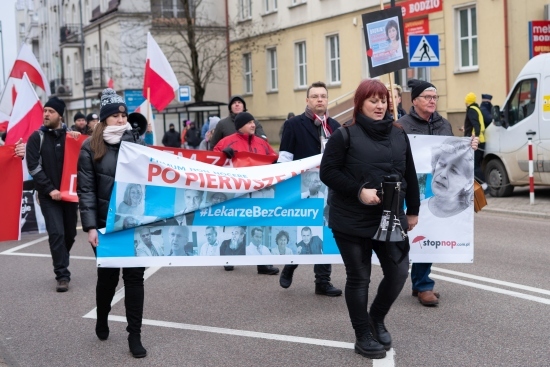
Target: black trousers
x,y
60,218
356,253
478,159
322,272
107,280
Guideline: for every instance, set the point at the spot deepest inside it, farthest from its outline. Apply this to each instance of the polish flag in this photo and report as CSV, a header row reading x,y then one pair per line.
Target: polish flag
x,y
147,110
27,113
110,82
159,76
9,95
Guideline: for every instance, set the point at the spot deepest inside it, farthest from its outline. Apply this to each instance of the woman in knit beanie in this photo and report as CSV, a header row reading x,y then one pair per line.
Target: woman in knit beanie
x,y
96,177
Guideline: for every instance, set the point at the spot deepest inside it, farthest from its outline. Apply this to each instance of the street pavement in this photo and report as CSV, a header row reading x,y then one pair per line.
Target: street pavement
x,y
492,312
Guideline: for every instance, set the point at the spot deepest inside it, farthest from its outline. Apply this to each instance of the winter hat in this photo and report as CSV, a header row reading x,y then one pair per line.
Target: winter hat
x,y
213,122
57,104
79,115
92,116
487,96
111,103
470,98
171,125
418,86
236,98
242,119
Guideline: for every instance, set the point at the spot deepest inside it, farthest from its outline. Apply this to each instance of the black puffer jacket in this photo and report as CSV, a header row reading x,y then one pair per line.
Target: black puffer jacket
x,y
95,182
414,124
376,149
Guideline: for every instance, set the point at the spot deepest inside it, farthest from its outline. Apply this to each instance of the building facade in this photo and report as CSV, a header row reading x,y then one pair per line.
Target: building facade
x,y
82,45
279,47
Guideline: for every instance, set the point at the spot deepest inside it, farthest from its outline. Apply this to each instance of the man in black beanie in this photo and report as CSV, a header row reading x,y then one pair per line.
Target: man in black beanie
x,y
45,156
80,123
91,121
226,126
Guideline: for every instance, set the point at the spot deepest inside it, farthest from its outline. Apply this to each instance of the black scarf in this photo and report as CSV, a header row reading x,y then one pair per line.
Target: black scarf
x,y
376,129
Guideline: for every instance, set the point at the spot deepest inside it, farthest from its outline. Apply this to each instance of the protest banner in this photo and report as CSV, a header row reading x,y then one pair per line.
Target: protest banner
x,y
12,186
182,207
68,177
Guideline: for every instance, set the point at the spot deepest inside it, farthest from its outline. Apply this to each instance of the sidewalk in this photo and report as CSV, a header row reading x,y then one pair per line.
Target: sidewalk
x,y
519,204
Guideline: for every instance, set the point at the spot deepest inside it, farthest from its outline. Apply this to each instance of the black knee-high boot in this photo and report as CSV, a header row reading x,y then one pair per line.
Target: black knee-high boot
x,y
133,300
107,280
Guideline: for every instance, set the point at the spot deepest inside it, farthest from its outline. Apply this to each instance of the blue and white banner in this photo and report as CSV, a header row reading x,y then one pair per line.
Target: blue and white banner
x,y
166,210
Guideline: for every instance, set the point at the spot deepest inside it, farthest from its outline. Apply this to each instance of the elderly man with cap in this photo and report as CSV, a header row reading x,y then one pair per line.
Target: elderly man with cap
x,y
45,158
227,127
80,123
91,121
423,119
171,137
486,108
244,140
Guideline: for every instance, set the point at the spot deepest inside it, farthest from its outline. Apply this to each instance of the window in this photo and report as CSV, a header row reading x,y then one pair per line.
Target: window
x,y
68,68
245,9
333,55
270,6
413,73
298,2
272,83
522,102
96,56
76,72
247,71
171,8
467,39
301,64
107,53
87,12
88,58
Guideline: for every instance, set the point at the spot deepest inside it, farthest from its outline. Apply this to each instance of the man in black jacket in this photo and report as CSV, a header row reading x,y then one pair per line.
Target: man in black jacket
x,y
45,155
304,136
171,138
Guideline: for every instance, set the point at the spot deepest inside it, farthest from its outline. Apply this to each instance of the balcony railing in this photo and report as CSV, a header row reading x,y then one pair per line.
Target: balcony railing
x,y
96,77
69,33
62,86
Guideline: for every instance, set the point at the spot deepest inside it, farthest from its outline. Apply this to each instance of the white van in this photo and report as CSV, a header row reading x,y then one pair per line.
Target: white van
x,y
525,111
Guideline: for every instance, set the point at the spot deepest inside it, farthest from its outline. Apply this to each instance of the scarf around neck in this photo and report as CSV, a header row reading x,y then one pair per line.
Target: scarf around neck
x,y
326,130
376,129
113,134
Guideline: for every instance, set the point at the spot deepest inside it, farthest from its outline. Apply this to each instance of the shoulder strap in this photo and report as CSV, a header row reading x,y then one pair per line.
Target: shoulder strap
x,y
345,133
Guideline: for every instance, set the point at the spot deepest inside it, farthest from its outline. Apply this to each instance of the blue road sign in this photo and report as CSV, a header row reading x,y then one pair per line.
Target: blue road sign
x,y
423,50
133,98
184,93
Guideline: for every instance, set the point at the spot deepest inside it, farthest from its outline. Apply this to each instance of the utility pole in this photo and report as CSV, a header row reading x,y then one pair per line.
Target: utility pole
x,y
82,55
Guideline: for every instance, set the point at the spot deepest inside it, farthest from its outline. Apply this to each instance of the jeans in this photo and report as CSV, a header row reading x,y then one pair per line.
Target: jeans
x,y
60,218
478,158
356,253
322,272
420,277
107,280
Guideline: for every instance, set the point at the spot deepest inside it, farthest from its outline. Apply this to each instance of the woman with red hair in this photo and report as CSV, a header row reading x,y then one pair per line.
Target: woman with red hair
x,y
355,161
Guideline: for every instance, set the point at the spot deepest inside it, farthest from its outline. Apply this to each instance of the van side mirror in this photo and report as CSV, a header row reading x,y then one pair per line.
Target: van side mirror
x,y
498,116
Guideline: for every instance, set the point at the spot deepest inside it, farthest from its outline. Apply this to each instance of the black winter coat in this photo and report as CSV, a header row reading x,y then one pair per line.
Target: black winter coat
x,y
301,136
47,177
414,124
172,139
95,182
376,149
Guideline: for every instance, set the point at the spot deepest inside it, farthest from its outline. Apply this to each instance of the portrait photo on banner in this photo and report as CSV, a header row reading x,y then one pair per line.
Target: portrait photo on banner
x,y
312,186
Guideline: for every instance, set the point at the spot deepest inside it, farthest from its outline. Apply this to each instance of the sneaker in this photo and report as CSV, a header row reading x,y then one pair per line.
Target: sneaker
x,y
327,289
229,267
62,285
368,347
285,280
380,333
268,269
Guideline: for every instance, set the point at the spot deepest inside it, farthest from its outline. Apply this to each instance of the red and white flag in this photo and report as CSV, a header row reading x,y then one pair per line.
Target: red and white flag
x,y
147,110
27,63
27,113
110,82
159,76
4,121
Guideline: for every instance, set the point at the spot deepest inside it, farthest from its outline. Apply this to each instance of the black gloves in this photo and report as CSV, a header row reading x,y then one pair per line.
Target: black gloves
x,y
229,152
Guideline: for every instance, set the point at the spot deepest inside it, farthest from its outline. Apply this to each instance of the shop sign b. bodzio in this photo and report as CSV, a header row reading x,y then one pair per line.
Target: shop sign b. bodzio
x,y
417,8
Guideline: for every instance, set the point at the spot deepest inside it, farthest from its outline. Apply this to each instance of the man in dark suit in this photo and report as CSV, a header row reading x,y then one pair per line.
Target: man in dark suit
x,y
309,245
304,136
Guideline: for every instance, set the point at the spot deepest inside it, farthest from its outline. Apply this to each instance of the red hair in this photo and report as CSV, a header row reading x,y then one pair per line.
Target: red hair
x,y
366,89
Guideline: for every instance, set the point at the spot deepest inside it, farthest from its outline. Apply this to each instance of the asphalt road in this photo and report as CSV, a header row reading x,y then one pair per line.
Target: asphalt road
x,y
492,313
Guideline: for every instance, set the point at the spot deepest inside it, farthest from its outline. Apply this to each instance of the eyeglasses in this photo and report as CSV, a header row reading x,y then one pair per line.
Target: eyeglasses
x,y
315,96
430,98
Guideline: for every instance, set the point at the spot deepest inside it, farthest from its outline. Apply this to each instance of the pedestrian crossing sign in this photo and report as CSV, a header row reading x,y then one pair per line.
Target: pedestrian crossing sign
x,y
423,50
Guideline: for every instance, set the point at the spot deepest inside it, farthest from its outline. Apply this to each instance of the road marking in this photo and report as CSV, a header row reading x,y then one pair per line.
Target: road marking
x,y
17,248
120,293
493,289
494,281
46,255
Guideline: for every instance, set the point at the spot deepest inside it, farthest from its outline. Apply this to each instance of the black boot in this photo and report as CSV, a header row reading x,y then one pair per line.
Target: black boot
x,y
107,280
368,347
380,333
285,280
102,328
134,342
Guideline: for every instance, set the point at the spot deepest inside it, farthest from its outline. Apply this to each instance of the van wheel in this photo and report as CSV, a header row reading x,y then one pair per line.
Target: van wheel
x,y
497,179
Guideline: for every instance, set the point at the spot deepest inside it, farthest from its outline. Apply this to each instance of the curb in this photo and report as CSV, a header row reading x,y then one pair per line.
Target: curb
x,y
519,213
